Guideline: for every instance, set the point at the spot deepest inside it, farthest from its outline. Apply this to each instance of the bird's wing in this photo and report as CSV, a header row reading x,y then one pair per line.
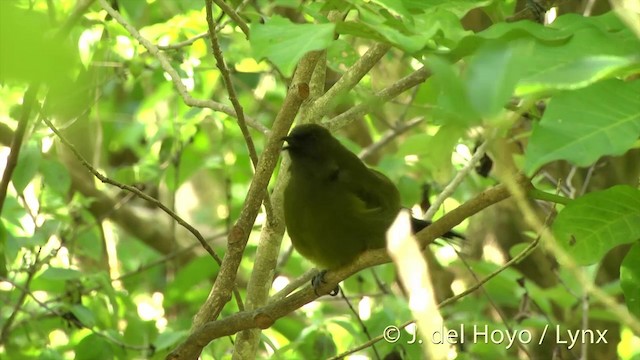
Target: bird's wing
x,y
374,192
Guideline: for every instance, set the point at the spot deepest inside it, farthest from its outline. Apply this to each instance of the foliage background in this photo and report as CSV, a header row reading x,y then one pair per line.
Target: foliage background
x,y
90,271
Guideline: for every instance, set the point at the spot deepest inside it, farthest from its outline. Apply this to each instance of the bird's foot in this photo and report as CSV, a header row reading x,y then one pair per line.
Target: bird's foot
x,y
318,280
537,10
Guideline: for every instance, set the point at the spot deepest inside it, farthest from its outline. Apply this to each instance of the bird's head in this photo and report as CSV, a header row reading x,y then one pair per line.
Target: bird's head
x,y
309,143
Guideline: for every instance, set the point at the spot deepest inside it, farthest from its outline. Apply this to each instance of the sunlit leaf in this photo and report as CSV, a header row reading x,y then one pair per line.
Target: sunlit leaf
x,y
591,225
630,279
284,43
583,125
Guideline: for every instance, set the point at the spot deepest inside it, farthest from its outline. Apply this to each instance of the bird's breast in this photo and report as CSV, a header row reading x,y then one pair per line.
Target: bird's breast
x,y
330,225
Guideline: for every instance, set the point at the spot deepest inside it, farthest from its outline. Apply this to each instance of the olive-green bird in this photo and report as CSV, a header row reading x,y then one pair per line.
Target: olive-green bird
x,y
336,207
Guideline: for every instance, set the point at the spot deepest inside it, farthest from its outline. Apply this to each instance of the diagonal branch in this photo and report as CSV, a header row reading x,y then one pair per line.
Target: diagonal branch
x,y
16,144
348,80
232,14
415,78
265,316
239,234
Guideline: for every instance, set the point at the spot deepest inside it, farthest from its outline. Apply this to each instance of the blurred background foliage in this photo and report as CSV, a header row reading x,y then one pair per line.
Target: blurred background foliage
x,y
89,271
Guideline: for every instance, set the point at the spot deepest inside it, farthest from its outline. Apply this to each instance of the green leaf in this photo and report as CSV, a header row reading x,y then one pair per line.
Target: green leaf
x,y
440,148
395,31
503,288
359,30
3,252
55,176
55,273
50,354
90,243
630,279
453,105
591,225
43,233
169,338
415,144
27,167
341,55
184,287
493,73
395,6
573,52
577,74
504,32
285,43
458,7
409,33
25,41
84,315
583,125
93,347
600,48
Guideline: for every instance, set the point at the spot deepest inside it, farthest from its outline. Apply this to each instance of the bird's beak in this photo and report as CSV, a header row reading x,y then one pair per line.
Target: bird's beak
x,y
285,146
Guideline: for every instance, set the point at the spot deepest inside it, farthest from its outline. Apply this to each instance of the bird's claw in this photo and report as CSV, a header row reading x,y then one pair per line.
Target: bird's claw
x,y
537,10
318,280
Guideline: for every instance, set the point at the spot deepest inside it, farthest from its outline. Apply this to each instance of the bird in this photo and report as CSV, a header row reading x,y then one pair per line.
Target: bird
x,y
335,207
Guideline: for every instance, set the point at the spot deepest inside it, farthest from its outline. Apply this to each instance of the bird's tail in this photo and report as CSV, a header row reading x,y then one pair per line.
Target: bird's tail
x,y
419,224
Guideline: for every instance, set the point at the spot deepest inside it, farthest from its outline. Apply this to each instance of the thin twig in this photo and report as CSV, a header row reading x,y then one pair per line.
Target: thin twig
x,y
173,74
528,250
31,271
141,268
233,97
551,243
349,79
184,43
16,144
134,190
457,180
204,34
493,304
362,324
293,285
382,96
388,136
58,313
233,15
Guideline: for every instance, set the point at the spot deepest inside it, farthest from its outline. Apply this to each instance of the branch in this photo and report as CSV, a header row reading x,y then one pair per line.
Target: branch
x,y
265,316
185,43
521,256
453,185
201,35
233,15
239,234
382,96
388,136
12,160
348,80
265,263
31,271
